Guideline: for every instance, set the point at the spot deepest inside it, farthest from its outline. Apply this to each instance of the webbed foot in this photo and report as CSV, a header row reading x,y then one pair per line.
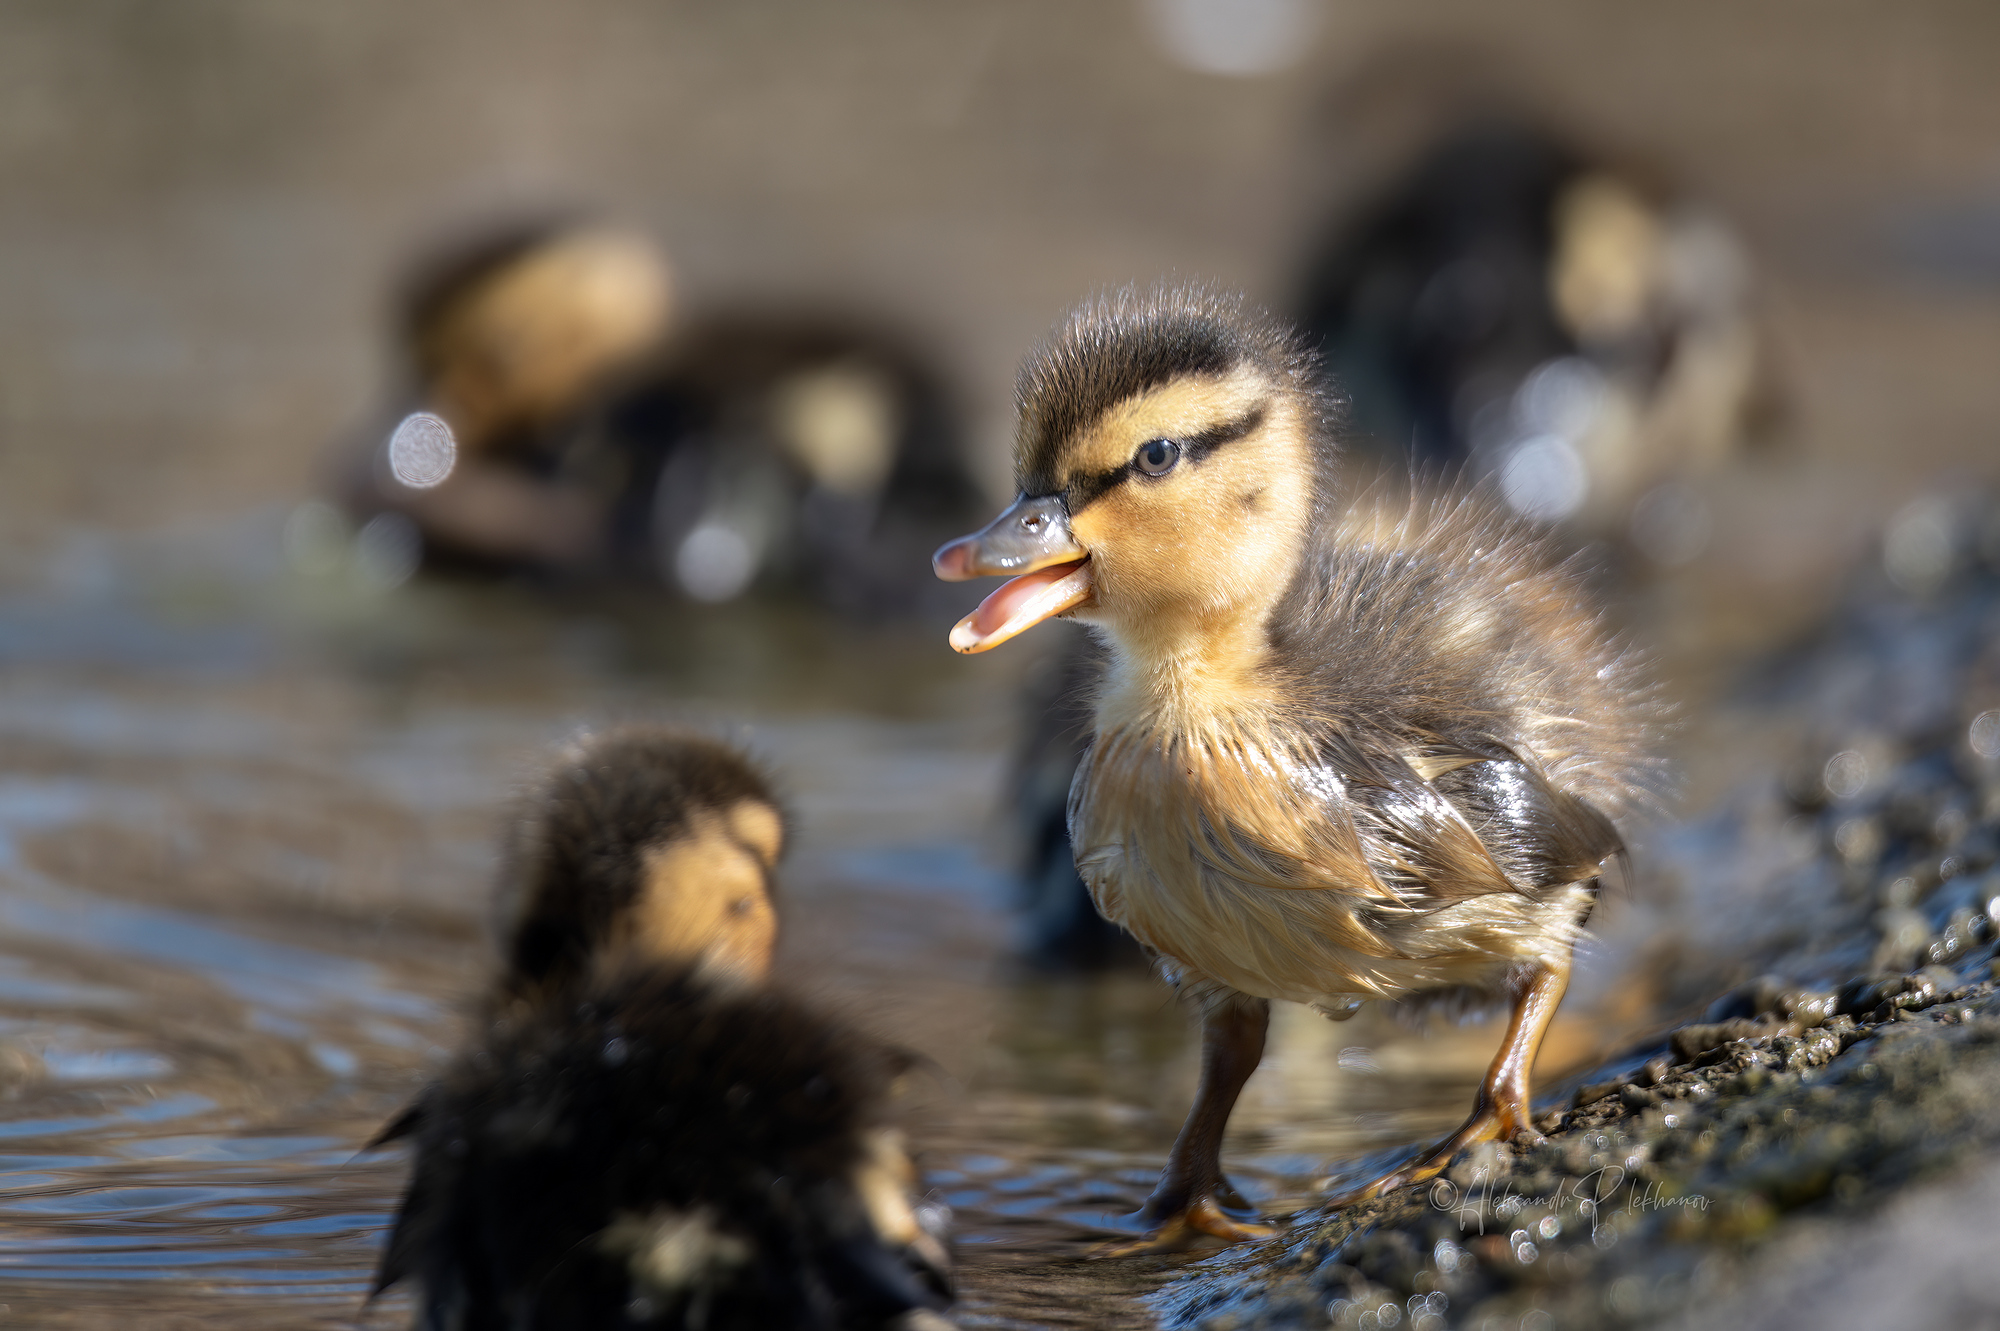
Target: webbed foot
x,y
1488,1123
1201,1222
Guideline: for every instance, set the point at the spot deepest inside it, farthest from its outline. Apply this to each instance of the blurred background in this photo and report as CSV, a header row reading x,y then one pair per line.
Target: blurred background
x,y
1714,288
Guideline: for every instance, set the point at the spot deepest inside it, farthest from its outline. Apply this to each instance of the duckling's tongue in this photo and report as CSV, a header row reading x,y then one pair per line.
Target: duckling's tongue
x,y
1021,603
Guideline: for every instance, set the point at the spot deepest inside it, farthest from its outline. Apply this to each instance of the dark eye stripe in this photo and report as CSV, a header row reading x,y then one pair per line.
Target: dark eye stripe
x,y
1086,490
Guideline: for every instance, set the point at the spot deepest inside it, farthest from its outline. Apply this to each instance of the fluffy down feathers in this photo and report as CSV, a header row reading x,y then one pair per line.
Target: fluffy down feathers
x,y
1389,763
574,869
663,1153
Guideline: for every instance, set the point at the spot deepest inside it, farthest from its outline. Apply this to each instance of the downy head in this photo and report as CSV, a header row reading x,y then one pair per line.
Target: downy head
x,y
643,841
1170,460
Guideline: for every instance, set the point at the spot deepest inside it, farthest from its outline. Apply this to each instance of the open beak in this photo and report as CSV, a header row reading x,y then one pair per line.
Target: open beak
x,y
1031,539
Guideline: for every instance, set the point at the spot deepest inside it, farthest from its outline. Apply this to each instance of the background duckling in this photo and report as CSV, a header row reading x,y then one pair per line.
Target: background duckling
x,y
1060,929
1574,327
508,339
658,1151
644,1135
564,417
642,840
1343,750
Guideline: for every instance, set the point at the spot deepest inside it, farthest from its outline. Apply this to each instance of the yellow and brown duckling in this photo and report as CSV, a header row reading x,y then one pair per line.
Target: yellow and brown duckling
x,y
1342,750
645,1134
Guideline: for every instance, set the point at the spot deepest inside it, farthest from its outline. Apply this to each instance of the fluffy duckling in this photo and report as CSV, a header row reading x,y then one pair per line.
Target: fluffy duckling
x,y
644,841
645,1135
1341,751
563,416
1571,326
661,1151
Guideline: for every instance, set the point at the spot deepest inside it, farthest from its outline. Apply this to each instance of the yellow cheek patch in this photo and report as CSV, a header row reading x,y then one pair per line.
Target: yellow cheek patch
x,y
705,895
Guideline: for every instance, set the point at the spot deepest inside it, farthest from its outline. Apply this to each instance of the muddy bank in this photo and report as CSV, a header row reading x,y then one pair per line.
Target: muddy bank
x,y
1817,1149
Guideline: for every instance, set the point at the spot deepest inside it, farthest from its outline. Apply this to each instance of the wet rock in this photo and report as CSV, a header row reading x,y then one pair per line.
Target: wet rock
x,y
1692,1040
1648,1189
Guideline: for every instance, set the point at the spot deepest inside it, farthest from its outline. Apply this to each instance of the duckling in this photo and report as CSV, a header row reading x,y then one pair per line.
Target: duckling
x,y
508,339
645,1134
565,418
665,1151
1060,930
642,840
1570,325
1342,750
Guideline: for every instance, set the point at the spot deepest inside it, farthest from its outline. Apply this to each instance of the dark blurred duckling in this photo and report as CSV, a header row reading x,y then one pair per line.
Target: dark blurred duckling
x,y
1060,929
1569,326
564,420
1343,750
658,1150
646,1135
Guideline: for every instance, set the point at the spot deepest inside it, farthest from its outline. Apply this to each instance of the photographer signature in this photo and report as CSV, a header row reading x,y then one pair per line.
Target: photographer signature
x,y
1592,1194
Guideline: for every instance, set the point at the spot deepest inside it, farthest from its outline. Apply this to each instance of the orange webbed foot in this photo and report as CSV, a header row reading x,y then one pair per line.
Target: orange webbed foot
x,y
1485,1125
1201,1223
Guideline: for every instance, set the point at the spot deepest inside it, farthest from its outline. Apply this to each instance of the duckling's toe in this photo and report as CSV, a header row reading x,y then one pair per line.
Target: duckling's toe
x,y
1199,1224
1504,1122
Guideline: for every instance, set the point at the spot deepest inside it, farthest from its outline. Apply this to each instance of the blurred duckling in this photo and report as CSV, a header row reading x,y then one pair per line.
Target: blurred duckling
x,y
642,841
1060,929
662,1151
508,340
563,418
1343,750
645,1134
1578,331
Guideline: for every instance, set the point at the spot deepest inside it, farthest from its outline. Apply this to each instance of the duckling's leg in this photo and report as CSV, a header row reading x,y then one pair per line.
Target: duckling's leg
x,y
1501,1109
1187,1206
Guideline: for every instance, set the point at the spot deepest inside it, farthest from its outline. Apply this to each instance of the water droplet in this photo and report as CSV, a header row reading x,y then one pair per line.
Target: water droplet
x,y
1235,37
1917,546
715,562
422,452
1845,774
1984,734
1543,478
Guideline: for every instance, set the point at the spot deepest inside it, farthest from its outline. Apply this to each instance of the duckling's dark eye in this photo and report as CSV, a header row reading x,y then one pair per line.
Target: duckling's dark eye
x,y
1156,457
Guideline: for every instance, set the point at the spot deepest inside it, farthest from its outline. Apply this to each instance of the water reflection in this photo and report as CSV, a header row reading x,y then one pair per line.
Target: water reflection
x,y
238,930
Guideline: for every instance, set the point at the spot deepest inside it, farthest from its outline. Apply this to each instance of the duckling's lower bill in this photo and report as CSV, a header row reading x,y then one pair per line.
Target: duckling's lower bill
x,y
1031,539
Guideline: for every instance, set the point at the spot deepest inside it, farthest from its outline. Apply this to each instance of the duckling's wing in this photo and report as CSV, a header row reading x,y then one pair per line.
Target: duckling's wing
x,y
1443,821
1420,845
1541,837
418,1223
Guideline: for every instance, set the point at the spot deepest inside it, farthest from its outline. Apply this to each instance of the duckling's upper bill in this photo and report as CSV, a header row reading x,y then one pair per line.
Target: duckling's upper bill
x,y
1173,424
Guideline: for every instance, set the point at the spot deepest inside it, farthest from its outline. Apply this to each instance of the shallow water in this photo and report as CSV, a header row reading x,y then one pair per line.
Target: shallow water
x,y
241,900
240,907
